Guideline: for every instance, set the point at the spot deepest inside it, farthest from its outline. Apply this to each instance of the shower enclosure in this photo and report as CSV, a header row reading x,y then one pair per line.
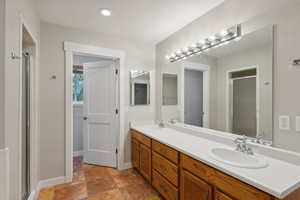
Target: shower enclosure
x,y
25,126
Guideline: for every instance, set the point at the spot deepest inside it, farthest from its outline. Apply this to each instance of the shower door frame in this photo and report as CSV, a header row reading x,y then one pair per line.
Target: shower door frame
x,y
229,96
34,113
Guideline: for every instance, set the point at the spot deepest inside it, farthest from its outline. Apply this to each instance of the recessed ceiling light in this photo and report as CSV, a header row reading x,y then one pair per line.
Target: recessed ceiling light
x,y
105,12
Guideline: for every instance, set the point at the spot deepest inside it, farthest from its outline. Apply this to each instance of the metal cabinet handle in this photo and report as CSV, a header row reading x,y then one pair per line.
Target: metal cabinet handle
x,y
162,167
195,165
85,118
163,151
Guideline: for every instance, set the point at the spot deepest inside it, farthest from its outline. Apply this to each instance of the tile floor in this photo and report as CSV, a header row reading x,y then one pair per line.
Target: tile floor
x,y
100,183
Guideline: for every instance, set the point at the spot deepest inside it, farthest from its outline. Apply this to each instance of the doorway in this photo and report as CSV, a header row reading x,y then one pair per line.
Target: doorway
x,y
193,93
195,83
243,101
102,113
94,109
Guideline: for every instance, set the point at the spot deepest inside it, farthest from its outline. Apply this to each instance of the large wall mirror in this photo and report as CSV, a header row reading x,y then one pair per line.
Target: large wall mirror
x,y
229,87
139,87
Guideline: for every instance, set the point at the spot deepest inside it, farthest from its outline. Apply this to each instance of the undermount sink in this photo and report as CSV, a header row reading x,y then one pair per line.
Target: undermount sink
x,y
238,159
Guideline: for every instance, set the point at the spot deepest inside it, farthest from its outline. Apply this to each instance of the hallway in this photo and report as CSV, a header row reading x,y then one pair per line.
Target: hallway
x,y
100,183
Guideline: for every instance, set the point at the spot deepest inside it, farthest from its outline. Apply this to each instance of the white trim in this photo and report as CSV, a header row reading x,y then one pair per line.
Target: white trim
x,y
68,115
229,93
77,153
128,165
71,48
34,108
4,174
33,195
206,89
51,182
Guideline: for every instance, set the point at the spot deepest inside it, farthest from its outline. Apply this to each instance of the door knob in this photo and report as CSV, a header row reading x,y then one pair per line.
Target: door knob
x,y
85,118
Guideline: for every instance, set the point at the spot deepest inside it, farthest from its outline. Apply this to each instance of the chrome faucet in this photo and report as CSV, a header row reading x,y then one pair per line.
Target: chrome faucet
x,y
242,146
161,124
173,121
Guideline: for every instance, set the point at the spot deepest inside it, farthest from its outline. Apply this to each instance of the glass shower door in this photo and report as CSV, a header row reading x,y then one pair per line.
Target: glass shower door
x,y
25,126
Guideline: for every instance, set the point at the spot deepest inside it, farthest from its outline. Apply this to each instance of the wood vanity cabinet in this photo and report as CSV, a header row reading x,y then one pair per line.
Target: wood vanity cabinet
x,y
141,154
177,176
229,185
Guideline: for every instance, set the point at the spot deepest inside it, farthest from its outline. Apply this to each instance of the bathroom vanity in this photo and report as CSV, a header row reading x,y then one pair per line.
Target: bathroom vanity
x,y
179,165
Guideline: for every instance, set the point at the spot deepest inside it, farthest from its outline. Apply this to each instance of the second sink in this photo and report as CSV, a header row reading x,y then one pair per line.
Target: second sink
x,y
238,159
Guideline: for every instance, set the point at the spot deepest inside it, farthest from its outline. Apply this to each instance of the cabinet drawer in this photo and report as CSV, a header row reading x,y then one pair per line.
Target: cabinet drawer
x,y
236,188
165,151
195,167
141,138
165,168
221,196
166,189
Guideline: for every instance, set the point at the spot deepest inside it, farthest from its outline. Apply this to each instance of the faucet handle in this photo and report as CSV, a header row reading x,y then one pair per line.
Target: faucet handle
x,y
239,140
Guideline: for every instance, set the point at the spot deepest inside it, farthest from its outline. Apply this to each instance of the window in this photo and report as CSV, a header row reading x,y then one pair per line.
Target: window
x,y
77,87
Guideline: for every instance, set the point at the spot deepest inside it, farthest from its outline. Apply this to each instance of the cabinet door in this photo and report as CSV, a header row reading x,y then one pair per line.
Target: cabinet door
x,y
193,187
145,161
221,196
135,153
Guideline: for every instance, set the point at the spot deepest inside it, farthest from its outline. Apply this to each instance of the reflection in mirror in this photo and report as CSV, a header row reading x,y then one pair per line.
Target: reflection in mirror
x,y
169,89
229,88
139,87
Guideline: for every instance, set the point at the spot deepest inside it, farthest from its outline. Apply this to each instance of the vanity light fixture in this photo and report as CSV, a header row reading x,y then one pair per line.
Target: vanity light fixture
x,y
217,40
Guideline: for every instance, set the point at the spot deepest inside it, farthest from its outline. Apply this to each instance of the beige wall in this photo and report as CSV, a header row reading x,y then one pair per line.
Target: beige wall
x,y
52,126
13,10
253,14
2,24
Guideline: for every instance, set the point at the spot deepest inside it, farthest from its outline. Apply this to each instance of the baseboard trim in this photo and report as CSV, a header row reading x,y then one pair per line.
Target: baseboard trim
x,y
127,165
44,184
4,172
77,153
51,182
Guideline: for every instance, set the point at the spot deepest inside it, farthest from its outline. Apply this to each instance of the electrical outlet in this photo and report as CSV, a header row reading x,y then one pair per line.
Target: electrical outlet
x,y
284,122
298,123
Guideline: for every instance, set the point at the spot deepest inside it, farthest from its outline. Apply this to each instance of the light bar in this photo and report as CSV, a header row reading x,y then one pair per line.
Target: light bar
x,y
219,39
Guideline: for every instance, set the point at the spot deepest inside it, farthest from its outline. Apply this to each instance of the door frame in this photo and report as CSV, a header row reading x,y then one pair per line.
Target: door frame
x,y
70,49
34,110
206,89
229,98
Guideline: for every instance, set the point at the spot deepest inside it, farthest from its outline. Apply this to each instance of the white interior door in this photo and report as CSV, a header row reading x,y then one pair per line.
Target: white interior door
x,y
100,119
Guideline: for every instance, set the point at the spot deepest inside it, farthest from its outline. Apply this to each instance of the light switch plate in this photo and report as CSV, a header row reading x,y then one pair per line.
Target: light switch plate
x,y
298,123
284,122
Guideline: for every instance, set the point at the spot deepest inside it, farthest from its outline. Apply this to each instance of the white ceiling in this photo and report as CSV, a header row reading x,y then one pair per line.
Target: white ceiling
x,y
147,21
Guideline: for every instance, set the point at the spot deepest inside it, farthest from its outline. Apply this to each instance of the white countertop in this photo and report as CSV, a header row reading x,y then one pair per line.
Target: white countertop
x,y
279,178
